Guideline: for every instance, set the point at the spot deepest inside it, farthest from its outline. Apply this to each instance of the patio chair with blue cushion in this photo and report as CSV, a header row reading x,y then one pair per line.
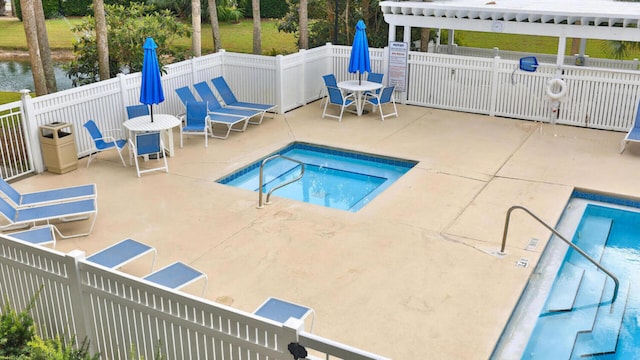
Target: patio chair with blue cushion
x,y
121,253
376,78
230,99
37,235
145,144
634,133
385,97
281,310
42,197
206,94
67,211
137,110
329,80
338,98
104,143
196,121
177,275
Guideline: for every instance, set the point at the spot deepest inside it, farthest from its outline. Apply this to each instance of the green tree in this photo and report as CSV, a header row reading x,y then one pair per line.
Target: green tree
x,y
128,27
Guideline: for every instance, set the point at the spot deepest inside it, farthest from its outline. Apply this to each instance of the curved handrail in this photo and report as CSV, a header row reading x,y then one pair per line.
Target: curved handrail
x,y
555,232
260,203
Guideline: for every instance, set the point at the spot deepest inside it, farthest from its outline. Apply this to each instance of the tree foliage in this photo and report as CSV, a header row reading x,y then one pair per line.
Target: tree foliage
x,y
128,27
322,21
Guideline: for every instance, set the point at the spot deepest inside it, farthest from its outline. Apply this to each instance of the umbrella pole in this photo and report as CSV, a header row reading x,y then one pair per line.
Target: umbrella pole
x,y
359,78
151,106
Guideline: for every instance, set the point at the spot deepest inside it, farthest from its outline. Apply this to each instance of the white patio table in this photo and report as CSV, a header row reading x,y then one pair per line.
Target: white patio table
x,y
161,122
359,88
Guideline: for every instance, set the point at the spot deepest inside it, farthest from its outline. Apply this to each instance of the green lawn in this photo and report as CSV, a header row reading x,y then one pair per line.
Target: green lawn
x,y
235,37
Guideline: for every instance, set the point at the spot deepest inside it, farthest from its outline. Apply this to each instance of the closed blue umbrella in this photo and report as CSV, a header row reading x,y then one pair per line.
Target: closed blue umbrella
x,y
151,89
360,61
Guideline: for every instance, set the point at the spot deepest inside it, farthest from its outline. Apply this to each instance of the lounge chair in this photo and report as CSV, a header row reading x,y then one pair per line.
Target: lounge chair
x,y
384,97
71,193
177,276
634,133
230,99
121,253
37,235
281,310
137,110
103,143
337,98
186,96
149,143
206,94
66,211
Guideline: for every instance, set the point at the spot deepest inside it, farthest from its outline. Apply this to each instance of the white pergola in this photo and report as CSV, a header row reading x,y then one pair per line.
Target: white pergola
x,y
583,19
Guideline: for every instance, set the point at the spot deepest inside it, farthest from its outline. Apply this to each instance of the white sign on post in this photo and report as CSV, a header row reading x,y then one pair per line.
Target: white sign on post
x,y
398,58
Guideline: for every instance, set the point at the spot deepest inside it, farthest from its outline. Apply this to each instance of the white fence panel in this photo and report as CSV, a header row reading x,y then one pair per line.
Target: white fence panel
x,y
49,279
251,77
130,313
293,80
600,98
317,63
454,82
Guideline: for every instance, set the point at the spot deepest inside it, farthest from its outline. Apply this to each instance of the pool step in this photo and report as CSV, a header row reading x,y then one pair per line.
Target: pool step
x,y
565,288
561,327
592,239
595,232
603,339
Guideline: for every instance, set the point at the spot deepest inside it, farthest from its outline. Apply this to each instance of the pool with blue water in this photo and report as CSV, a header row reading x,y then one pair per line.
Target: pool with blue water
x,y
566,311
332,177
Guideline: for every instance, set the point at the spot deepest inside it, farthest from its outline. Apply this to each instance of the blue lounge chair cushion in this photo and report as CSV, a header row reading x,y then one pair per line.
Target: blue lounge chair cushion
x,y
121,253
176,276
47,196
41,235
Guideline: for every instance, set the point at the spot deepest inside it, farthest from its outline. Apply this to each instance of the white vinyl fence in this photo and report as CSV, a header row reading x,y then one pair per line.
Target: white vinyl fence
x,y
125,317
598,97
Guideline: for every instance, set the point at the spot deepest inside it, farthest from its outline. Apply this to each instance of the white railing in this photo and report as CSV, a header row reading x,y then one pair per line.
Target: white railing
x,y
119,313
15,145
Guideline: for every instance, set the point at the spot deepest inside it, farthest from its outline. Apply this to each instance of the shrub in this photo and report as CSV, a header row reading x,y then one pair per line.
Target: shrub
x,y
16,329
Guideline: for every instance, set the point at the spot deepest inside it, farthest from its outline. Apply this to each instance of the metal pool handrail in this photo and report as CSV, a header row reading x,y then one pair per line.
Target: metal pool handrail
x,y
572,245
260,203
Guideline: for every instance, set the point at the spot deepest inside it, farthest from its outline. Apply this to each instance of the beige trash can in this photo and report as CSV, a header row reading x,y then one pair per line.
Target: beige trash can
x,y
58,147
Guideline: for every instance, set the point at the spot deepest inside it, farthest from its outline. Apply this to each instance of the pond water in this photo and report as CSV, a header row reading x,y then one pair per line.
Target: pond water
x,y
16,75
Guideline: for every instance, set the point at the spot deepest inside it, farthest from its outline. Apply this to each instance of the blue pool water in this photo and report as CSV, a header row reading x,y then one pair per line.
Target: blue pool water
x,y
332,177
573,316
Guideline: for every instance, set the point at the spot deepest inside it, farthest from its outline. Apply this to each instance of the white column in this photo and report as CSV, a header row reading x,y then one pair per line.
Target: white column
x,y
407,35
562,47
392,33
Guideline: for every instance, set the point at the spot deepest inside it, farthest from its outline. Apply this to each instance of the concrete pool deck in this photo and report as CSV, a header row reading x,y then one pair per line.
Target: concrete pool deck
x,y
413,275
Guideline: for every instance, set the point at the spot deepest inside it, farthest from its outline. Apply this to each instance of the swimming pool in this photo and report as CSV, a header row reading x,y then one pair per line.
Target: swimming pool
x,y
565,311
334,178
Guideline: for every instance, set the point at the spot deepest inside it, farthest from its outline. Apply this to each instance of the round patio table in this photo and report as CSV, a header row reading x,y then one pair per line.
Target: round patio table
x,y
359,88
161,122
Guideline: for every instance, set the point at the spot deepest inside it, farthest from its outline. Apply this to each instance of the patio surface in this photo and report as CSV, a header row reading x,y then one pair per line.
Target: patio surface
x,y
410,276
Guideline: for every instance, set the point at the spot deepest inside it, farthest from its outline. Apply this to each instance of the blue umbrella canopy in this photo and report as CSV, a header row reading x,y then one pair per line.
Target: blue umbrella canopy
x,y
360,61
151,89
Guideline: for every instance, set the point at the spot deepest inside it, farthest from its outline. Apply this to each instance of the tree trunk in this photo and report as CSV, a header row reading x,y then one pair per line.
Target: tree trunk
x,y
215,28
45,50
257,42
31,33
424,39
102,39
196,23
304,25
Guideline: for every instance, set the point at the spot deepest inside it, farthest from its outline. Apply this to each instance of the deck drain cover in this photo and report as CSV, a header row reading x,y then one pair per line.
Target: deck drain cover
x,y
533,244
523,263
